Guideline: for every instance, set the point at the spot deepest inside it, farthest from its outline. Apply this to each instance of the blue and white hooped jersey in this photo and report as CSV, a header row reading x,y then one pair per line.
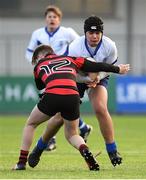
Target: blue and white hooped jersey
x,y
105,51
58,40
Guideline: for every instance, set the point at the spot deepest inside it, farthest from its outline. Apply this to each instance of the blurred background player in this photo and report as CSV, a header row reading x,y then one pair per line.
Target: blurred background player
x,y
59,38
94,44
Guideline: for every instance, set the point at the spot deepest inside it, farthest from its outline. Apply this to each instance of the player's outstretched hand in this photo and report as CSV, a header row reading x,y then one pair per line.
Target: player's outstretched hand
x,y
94,82
124,68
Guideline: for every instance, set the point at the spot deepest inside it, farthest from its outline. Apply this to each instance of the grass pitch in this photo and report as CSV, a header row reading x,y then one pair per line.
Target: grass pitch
x,y
66,163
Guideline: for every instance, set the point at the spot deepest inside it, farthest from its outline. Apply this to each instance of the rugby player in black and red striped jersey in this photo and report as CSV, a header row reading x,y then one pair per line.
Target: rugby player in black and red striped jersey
x,y
57,74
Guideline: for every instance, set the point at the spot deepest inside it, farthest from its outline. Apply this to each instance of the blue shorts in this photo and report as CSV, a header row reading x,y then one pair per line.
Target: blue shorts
x,y
82,86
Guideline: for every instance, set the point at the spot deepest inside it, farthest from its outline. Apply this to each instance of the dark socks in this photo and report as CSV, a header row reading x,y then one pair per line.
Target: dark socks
x,y
82,148
23,157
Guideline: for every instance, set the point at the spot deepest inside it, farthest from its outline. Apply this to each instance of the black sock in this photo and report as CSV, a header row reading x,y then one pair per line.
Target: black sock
x,y
82,148
23,157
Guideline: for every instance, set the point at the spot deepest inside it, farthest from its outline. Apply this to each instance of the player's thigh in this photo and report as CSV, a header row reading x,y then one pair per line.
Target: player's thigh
x,y
56,120
36,117
98,96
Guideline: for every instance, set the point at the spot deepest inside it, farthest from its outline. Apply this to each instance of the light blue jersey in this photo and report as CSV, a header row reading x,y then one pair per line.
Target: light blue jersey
x,y
105,51
58,40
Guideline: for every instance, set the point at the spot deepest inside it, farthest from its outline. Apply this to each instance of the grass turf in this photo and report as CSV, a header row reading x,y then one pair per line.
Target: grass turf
x,y
65,162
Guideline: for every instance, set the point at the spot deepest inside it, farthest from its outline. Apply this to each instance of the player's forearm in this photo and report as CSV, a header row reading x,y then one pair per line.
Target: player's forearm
x,y
97,67
83,79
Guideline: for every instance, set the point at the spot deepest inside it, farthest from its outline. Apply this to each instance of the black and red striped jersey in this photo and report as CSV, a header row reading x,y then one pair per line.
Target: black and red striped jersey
x,y
57,74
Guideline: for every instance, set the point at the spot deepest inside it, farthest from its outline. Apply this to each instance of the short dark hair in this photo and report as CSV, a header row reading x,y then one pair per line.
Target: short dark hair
x,y
41,50
93,23
55,9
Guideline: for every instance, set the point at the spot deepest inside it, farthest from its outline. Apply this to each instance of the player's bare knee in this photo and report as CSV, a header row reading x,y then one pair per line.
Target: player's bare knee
x,y
101,110
32,124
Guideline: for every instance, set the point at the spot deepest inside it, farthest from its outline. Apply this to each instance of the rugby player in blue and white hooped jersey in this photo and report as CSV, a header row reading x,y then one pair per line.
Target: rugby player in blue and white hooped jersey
x,y
94,44
59,38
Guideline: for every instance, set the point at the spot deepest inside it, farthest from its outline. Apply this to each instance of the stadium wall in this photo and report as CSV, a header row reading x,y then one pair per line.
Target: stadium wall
x,y
128,30
127,94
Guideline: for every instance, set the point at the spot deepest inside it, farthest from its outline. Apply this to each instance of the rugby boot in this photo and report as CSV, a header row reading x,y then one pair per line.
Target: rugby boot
x,y
19,166
34,157
85,134
51,144
90,160
115,158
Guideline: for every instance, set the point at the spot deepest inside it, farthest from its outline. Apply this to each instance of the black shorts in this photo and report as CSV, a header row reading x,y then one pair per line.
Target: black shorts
x,y
67,105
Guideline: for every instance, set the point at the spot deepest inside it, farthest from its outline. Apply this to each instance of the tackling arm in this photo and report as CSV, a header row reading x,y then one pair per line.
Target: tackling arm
x,y
89,66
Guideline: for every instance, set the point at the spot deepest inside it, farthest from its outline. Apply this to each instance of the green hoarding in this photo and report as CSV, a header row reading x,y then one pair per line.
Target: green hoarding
x,y
19,95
